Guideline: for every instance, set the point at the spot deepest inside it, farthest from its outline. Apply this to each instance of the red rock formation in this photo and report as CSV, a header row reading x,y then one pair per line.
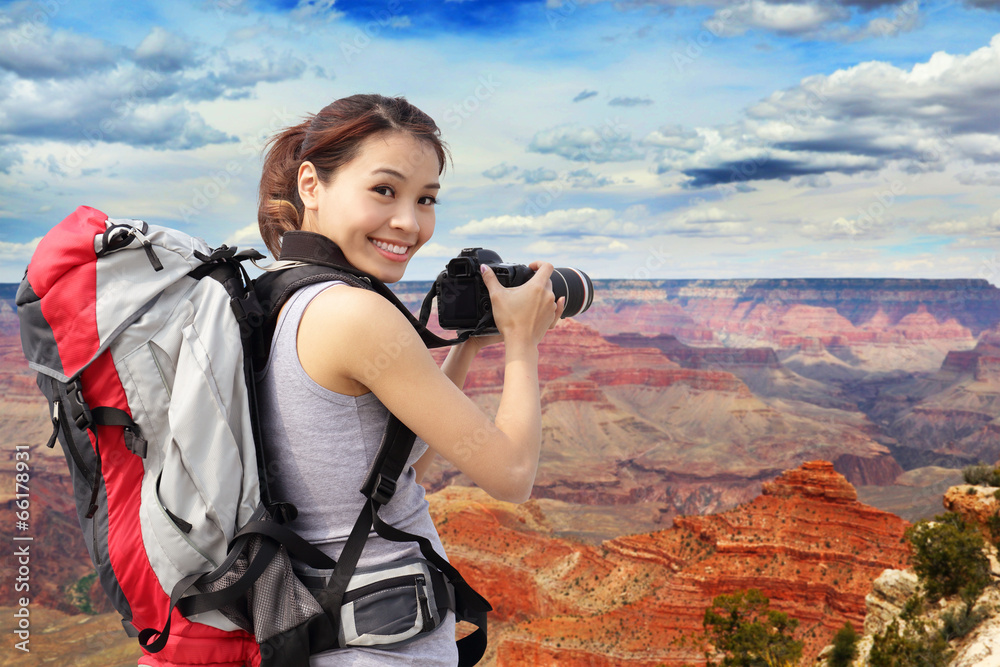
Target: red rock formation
x,y
806,543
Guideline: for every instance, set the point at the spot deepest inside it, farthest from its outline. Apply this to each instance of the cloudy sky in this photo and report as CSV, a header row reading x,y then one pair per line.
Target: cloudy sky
x,y
631,138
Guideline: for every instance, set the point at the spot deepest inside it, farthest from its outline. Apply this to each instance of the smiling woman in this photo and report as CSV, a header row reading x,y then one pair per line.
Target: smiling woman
x,y
359,181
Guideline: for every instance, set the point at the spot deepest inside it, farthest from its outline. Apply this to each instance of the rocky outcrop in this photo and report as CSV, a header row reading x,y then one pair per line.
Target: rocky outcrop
x,y
982,647
976,504
885,602
805,542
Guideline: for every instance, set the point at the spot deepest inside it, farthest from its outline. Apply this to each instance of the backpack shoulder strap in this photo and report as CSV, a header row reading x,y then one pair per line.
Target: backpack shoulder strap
x,y
314,259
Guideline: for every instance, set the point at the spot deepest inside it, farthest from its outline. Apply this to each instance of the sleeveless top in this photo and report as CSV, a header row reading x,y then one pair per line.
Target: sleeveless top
x,y
320,445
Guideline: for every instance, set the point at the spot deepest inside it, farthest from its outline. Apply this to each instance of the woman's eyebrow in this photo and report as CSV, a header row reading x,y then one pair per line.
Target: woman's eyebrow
x,y
396,174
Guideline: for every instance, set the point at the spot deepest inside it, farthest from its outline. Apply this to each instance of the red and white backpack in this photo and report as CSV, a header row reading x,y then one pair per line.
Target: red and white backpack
x,y
143,338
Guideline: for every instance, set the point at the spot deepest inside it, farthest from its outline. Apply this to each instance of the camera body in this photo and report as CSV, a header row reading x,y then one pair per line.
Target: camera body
x,y
464,301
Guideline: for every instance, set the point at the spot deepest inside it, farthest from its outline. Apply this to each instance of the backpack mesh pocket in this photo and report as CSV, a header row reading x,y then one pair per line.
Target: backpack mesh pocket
x,y
276,602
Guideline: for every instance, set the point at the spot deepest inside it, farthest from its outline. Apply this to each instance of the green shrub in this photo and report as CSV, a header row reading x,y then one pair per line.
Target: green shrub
x,y
749,633
913,607
949,557
981,474
909,648
845,647
957,623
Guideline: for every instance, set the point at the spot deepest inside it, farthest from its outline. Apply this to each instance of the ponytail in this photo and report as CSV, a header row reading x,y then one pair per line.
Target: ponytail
x,y
330,139
279,208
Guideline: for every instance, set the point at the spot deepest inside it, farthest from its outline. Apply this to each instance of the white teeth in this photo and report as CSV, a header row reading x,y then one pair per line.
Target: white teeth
x,y
394,249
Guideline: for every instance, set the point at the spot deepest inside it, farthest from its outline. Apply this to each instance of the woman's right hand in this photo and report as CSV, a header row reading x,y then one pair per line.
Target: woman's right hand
x,y
524,313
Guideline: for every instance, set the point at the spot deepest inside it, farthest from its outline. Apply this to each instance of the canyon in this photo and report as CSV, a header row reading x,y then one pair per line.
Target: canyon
x,y
699,437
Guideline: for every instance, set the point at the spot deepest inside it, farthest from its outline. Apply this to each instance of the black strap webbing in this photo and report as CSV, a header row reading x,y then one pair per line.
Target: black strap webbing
x,y
317,249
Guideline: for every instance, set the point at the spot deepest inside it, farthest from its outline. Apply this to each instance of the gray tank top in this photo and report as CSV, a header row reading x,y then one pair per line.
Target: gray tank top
x,y
320,446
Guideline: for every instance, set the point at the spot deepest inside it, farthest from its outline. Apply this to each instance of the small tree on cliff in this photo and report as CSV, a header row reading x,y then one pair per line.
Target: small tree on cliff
x,y
748,633
949,557
845,647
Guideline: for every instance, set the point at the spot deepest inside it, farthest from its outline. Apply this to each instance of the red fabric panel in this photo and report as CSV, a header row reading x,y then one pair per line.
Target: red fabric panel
x,y
66,255
70,246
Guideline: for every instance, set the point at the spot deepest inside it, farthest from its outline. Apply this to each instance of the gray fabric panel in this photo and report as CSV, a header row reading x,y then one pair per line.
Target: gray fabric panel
x,y
37,340
95,530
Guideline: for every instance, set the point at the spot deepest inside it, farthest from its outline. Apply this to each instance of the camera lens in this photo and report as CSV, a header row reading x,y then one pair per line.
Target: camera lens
x,y
575,285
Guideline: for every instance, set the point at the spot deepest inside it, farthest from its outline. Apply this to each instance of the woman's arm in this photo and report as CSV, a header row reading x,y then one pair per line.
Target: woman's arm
x,y
356,335
456,367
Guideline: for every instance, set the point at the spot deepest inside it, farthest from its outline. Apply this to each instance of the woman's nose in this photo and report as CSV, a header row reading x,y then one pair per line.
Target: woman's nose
x,y
406,219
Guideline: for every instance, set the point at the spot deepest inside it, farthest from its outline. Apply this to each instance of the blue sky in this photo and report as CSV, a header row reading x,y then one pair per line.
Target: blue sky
x,y
632,139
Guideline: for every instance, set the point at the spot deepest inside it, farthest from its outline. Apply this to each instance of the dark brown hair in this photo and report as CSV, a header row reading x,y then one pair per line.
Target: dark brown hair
x,y
330,139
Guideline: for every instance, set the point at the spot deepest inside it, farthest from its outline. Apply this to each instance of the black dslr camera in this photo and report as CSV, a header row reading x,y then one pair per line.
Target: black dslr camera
x,y
464,302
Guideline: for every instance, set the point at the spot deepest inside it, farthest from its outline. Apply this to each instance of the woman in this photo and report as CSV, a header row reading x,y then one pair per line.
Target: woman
x,y
363,172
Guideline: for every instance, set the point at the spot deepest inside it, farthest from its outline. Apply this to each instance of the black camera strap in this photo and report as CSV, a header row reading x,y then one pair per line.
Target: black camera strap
x,y
318,250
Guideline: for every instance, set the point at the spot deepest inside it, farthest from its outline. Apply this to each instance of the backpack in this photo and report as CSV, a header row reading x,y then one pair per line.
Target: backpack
x,y
145,340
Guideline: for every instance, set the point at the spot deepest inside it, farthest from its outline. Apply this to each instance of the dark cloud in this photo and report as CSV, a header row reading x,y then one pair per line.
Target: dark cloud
x,y
585,95
854,145
770,169
630,102
984,4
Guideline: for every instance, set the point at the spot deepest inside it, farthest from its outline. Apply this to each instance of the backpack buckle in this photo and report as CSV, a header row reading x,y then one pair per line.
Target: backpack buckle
x,y
79,411
385,487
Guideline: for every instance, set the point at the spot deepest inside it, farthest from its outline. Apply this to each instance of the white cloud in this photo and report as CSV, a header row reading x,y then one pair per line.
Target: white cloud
x,y
30,49
606,143
437,250
18,253
164,51
789,18
71,88
311,10
854,229
858,119
564,222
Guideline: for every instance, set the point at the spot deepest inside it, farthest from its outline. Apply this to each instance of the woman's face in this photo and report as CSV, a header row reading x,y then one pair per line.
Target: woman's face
x,y
379,207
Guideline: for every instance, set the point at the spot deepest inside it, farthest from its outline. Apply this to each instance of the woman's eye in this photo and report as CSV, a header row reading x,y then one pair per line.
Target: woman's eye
x,y
428,200
384,190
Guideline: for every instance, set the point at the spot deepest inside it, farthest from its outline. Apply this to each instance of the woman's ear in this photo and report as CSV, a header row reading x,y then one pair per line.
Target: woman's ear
x,y
309,184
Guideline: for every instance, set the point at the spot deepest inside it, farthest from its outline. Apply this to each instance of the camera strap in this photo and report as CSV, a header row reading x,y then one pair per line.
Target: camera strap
x,y
319,251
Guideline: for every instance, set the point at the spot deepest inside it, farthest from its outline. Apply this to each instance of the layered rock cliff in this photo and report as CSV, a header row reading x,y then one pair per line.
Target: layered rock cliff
x,y
950,417
624,424
806,543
